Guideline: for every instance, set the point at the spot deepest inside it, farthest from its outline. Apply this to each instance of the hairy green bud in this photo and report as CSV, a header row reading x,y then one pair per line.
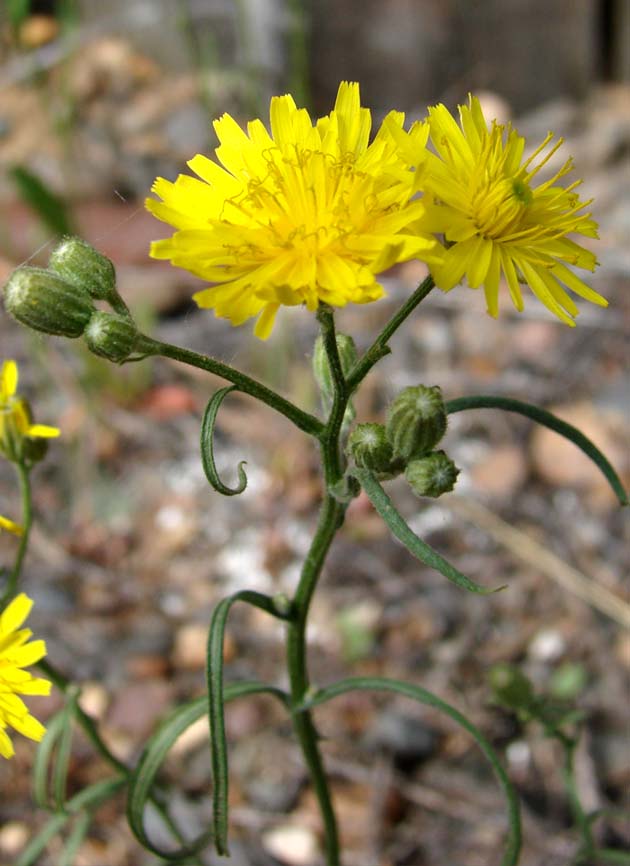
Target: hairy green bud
x,y
416,421
45,302
79,263
370,449
111,336
321,366
432,475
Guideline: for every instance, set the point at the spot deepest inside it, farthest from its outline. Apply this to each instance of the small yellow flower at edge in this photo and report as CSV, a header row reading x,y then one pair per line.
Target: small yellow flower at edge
x,y
17,652
10,526
309,212
15,415
481,196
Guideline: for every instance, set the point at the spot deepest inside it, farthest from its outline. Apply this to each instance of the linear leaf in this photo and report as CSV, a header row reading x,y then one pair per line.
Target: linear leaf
x,y
214,675
207,447
142,778
547,419
50,209
88,799
75,839
43,757
417,693
420,549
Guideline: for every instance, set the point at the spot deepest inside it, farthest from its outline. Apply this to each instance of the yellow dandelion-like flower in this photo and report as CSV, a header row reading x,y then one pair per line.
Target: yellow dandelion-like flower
x,y
17,652
15,416
309,213
482,196
10,526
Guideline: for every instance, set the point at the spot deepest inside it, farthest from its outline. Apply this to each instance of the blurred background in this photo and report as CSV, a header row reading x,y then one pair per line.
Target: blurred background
x,y
132,549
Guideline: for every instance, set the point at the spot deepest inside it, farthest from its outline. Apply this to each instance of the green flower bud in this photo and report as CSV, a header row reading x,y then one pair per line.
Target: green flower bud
x,y
111,336
321,367
46,302
79,263
416,421
432,475
370,449
511,687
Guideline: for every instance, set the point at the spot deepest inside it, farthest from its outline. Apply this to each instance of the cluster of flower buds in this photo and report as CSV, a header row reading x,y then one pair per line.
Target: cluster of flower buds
x,y
60,300
416,422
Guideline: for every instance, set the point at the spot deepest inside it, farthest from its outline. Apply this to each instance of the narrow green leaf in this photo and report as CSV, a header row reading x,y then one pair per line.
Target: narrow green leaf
x,y
43,756
214,675
89,798
75,839
50,209
207,448
141,780
62,759
420,549
417,693
547,419
610,855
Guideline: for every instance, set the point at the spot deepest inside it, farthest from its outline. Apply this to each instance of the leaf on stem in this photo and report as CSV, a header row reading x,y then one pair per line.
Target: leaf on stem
x,y
216,698
141,780
420,549
547,419
207,449
417,693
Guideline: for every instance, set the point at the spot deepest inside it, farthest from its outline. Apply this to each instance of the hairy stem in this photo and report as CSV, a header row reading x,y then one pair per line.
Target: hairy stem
x,y
330,518
379,347
303,420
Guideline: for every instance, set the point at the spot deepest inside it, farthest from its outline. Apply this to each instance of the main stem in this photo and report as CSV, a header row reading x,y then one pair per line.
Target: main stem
x,y
330,518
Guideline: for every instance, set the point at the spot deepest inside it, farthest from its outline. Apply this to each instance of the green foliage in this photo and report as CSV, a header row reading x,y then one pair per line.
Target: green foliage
x,y
46,204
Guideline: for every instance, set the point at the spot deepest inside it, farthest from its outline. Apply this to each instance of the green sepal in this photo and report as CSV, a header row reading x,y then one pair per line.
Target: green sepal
x,y
80,264
416,421
111,336
45,302
432,475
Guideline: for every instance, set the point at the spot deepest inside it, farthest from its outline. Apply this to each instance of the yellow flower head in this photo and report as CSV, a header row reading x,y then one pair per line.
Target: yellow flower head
x,y
15,417
17,653
497,220
307,214
10,526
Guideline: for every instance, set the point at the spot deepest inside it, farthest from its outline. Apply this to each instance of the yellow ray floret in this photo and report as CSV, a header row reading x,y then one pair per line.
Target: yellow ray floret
x,y
10,526
497,219
301,214
15,416
18,651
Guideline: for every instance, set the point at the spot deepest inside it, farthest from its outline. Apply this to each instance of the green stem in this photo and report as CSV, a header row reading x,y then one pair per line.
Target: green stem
x,y
303,420
341,394
579,815
379,347
27,520
330,518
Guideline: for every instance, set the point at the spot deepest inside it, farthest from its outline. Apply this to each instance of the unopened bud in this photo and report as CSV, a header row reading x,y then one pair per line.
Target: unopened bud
x,y
416,421
432,475
321,366
111,336
45,302
79,263
370,449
